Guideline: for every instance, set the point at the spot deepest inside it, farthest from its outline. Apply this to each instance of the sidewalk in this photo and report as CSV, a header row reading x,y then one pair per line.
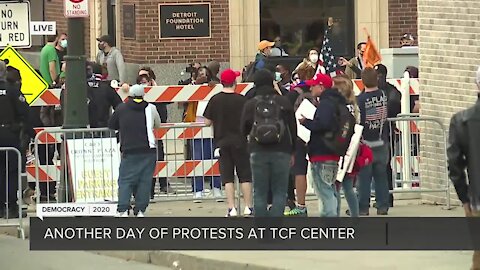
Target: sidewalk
x,y
291,260
16,254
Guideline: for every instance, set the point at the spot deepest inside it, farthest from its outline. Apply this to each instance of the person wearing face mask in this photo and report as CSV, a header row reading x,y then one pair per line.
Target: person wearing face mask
x,y
111,59
103,98
355,66
49,63
282,76
61,47
146,77
314,60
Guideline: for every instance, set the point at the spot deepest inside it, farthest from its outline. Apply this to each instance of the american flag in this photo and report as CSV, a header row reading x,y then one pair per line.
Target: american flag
x,y
329,61
376,113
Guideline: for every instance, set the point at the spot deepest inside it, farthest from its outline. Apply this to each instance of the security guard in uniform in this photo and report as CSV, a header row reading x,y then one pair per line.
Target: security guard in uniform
x,y
14,113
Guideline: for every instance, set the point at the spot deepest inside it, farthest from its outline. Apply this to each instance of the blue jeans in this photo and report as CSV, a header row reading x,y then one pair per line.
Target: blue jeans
x,y
377,171
270,171
135,177
350,196
324,177
202,149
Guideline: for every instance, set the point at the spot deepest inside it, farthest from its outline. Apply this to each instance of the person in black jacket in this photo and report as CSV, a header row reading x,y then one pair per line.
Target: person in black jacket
x,y
394,107
463,153
270,163
135,121
323,160
101,97
14,113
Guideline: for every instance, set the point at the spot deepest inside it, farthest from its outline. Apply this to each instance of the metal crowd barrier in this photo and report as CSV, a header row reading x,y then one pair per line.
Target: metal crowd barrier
x,y
81,165
7,161
405,153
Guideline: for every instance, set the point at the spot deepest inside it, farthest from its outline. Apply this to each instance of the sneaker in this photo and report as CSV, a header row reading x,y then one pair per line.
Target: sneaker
x,y
168,190
197,197
248,212
140,214
269,207
217,194
122,214
291,204
231,212
297,211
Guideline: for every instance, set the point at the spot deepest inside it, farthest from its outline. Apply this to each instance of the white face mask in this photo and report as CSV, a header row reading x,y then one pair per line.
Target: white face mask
x,y
278,76
314,58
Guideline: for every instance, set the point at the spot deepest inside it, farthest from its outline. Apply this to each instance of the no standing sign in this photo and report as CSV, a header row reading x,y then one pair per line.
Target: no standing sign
x,y
76,8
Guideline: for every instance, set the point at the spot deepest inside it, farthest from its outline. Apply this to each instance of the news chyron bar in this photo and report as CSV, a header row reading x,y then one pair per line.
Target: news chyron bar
x,y
84,232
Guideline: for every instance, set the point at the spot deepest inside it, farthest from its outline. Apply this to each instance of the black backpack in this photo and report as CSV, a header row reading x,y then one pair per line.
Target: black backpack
x,y
339,139
268,126
248,72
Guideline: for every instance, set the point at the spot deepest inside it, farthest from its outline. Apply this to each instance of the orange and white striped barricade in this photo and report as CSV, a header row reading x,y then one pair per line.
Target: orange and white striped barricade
x,y
169,93
90,161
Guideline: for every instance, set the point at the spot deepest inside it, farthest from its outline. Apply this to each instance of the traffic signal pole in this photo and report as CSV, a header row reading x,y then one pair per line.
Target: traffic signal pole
x,y
75,103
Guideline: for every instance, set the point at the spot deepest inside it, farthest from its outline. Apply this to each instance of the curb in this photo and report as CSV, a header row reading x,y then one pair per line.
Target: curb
x,y
180,261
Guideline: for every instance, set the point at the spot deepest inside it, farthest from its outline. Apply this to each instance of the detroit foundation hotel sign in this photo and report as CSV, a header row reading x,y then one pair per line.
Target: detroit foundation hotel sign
x,y
185,20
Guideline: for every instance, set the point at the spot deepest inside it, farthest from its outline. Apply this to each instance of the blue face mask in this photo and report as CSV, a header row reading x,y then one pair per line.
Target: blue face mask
x,y
278,76
63,43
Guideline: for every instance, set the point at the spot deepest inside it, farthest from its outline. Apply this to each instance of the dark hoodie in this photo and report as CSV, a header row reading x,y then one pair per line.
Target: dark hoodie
x,y
324,121
135,121
287,144
101,99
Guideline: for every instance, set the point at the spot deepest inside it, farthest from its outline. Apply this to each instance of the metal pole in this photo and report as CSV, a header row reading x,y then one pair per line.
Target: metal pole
x,y
405,129
76,112
75,98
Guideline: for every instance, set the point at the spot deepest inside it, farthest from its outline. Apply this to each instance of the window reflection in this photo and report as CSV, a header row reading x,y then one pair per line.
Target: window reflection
x,y
300,24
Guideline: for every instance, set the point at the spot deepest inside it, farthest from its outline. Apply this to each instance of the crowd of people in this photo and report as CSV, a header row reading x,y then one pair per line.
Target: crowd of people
x,y
256,133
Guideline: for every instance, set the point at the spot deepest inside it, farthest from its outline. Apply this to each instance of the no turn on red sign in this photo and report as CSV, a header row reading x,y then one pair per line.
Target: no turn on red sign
x,y
76,8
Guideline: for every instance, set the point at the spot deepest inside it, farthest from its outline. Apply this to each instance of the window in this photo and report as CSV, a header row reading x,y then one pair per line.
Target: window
x,y
111,18
301,24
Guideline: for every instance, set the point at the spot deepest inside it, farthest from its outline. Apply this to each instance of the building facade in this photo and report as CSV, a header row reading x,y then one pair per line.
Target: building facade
x,y
236,26
449,57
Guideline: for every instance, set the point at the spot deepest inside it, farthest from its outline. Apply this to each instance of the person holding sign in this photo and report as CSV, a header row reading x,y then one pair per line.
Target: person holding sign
x,y
345,87
322,155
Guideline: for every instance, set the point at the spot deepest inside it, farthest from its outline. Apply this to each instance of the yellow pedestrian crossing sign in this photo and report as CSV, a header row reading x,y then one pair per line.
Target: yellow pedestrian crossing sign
x,y
33,85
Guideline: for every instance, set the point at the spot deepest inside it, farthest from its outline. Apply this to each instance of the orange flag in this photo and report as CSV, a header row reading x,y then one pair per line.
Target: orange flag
x,y
371,56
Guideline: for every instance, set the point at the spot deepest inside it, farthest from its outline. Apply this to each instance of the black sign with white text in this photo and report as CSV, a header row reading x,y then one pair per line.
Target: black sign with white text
x,y
108,233
185,21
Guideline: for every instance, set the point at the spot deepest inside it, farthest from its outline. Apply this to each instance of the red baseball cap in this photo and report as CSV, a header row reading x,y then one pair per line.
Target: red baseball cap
x,y
229,76
320,79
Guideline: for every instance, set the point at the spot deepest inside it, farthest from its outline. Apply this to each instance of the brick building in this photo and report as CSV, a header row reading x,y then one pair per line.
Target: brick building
x,y
449,56
236,28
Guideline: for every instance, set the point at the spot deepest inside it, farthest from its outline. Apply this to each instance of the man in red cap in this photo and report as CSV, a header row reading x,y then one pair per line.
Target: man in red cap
x,y
323,159
224,111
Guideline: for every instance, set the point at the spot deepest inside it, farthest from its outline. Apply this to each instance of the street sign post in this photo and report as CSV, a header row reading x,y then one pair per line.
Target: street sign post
x,y
76,8
15,25
33,85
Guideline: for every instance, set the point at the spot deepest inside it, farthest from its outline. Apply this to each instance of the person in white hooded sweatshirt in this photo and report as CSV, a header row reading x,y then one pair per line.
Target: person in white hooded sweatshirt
x,y
135,120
